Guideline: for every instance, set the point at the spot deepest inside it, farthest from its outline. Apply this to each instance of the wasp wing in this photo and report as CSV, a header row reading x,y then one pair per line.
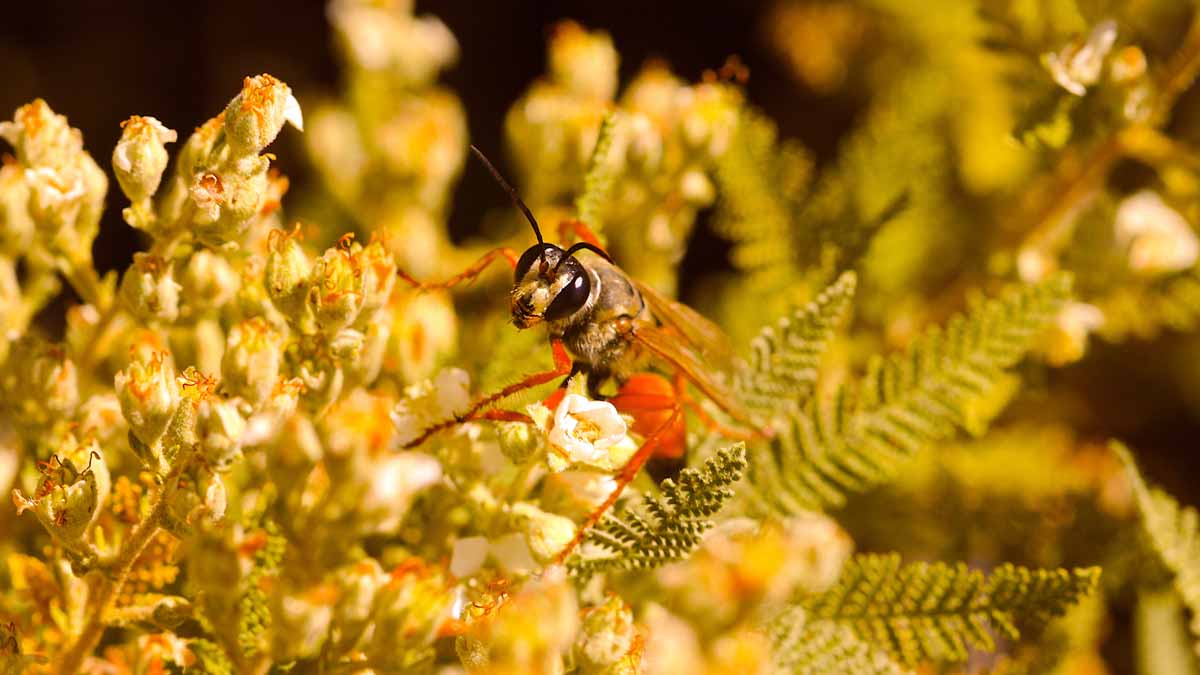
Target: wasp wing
x,y
704,337
668,347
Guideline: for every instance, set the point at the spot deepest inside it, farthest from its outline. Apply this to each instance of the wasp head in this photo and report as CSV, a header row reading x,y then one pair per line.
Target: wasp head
x,y
549,285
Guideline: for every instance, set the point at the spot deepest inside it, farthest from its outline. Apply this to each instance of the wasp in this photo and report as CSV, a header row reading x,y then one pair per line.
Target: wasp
x,y
603,323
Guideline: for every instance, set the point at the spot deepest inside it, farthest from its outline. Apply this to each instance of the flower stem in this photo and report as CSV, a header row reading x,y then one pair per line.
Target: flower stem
x,y
106,589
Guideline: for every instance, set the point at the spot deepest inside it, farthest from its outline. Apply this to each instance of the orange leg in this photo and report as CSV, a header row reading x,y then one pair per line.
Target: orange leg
x,y
468,275
562,367
577,228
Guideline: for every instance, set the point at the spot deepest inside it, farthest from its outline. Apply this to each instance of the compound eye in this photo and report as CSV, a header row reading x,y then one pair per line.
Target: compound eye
x,y
529,257
571,298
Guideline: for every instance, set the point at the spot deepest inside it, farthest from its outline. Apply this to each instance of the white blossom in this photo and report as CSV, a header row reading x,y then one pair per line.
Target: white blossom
x,y
1158,238
1077,66
429,402
588,432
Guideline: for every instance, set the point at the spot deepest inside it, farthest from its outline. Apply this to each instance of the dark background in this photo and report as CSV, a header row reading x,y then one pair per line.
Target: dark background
x,y
100,61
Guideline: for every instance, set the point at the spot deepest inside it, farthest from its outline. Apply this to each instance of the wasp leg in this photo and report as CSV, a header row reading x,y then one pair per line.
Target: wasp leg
x,y
468,275
692,404
623,478
562,366
579,229
576,369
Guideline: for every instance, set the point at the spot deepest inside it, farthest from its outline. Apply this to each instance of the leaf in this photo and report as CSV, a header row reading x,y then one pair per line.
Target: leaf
x,y
784,358
1174,534
903,404
599,178
665,528
922,612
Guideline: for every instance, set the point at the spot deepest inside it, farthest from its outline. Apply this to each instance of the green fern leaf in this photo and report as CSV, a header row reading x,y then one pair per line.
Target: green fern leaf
x,y
903,404
665,528
782,370
1174,534
599,178
935,612
804,647
759,182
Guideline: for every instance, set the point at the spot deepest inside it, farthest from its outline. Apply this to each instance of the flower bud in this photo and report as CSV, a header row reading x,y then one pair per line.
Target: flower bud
x,y
209,281
1066,339
369,363
583,62
55,197
67,499
347,346
141,156
286,275
1077,66
335,290
255,116
518,441
358,584
606,635
378,276
301,623
253,354
546,533
196,153
424,332
95,189
149,289
148,394
1159,239
1128,65
41,137
16,225
227,201
219,428
40,383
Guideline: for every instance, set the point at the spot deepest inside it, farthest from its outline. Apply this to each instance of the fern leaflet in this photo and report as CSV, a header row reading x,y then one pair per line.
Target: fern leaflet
x,y
599,178
1174,534
668,527
820,647
784,358
923,612
903,404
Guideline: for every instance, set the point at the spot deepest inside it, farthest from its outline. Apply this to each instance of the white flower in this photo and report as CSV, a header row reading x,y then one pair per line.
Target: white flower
x,y
547,534
394,483
427,403
1159,239
1076,66
586,432
1066,341
509,551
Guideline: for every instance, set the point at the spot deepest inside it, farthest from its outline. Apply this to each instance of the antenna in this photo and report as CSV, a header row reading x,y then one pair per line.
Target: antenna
x,y
512,193
582,246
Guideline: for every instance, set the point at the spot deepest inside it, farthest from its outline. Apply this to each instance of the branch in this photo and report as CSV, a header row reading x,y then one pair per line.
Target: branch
x,y
108,588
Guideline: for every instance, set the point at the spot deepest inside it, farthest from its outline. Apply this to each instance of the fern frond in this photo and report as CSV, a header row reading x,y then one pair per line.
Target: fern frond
x,y
599,178
923,612
1173,531
254,613
756,180
903,404
782,369
1143,313
664,528
804,647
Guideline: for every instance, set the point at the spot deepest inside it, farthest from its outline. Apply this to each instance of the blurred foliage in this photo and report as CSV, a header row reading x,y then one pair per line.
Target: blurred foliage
x,y
255,450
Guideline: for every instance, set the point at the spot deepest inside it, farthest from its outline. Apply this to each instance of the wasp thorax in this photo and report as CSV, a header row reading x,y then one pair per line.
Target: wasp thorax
x,y
547,286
